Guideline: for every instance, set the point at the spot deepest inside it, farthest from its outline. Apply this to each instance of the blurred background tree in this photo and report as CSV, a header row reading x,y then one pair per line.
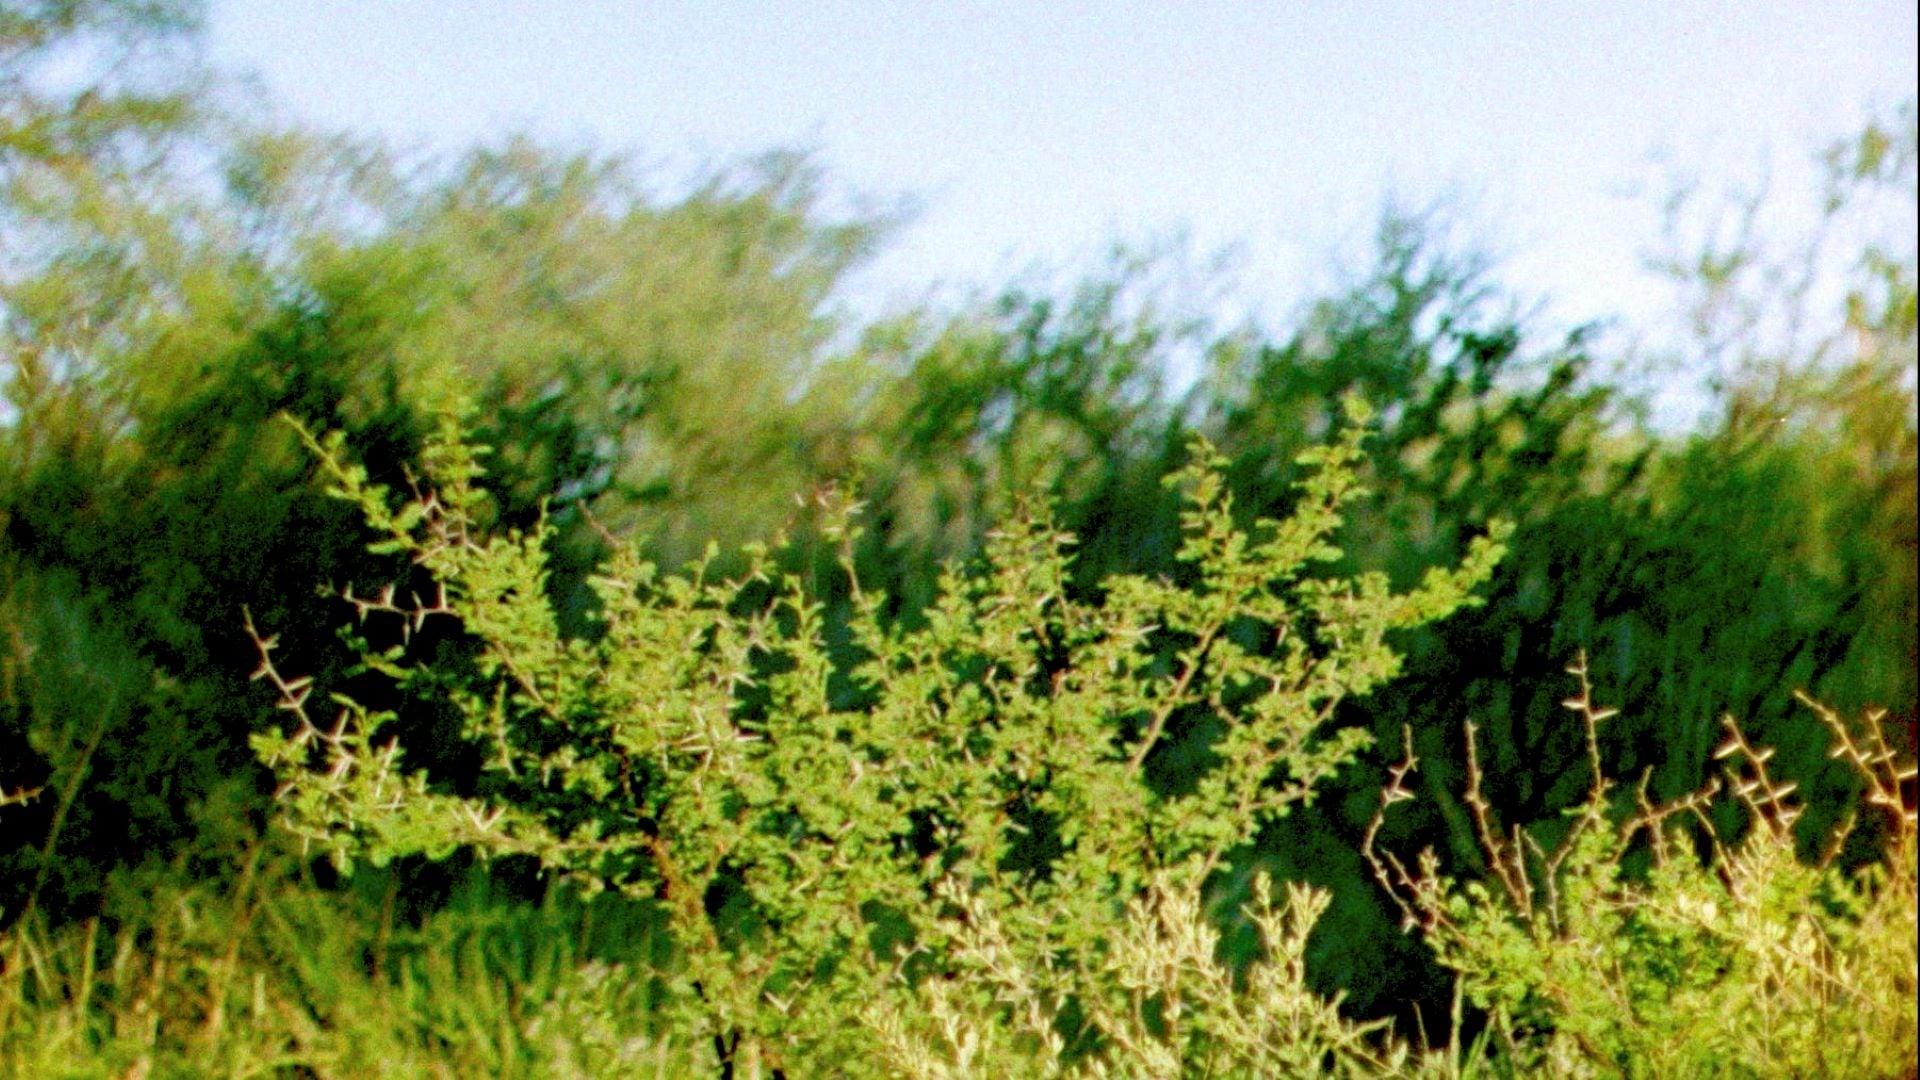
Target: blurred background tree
x,y
173,285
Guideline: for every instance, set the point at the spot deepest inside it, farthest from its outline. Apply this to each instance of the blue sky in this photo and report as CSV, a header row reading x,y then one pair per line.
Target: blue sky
x,y
1040,131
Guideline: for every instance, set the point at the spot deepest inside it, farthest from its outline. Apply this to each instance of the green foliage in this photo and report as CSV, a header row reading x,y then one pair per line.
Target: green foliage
x,y
817,831
124,697
1781,550
54,124
151,330
1745,961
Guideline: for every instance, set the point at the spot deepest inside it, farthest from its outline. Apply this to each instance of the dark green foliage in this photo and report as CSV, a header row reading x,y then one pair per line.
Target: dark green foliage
x,y
125,681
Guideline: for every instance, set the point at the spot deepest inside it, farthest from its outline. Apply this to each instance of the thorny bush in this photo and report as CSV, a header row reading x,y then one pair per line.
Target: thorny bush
x,y
960,820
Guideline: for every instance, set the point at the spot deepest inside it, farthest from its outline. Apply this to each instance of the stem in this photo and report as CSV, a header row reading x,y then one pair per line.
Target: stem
x,y
1159,723
68,793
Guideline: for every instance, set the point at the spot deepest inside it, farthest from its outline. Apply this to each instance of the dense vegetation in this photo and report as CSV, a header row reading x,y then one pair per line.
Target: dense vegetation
x,y
727,683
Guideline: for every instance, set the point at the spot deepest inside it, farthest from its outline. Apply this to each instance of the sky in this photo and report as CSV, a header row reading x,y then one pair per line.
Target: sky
x,y
1039,133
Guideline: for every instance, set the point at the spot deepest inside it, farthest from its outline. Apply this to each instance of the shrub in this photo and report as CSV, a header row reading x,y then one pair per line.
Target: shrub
x,y
1726,956
953,825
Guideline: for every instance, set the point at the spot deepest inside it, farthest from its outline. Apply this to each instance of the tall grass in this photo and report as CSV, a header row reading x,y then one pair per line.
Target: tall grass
x,y
278,977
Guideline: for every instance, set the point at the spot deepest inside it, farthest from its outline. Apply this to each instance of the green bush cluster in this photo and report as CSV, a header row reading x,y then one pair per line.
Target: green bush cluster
x,y
969,800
